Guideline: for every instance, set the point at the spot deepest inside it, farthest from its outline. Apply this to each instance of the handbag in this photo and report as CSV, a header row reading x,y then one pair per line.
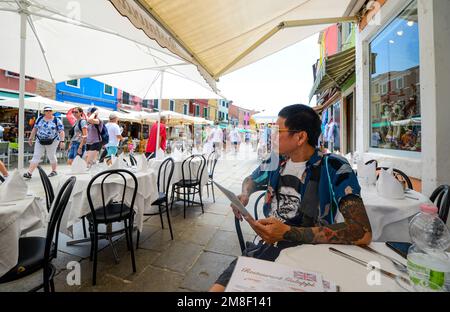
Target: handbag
x,y
46,141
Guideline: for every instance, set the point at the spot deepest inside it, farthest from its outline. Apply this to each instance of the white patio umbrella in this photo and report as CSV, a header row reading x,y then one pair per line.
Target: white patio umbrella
x,y
171,82
58,40
38,103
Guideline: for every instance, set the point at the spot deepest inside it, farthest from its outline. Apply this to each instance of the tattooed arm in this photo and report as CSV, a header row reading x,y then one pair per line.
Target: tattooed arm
x,y
355,230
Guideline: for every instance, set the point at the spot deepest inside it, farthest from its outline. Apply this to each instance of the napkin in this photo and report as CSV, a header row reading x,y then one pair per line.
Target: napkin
x,y
368,172
142,164
388,186
118,162
14,188
159,154
177,155
78,165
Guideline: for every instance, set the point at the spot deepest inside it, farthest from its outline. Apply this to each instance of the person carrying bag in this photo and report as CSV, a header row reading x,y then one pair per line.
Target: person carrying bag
x,y
49,131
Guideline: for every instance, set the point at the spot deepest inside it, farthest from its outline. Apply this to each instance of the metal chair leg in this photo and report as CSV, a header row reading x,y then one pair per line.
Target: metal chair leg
x,y
130,228
137,238
201,201
168,219
214,197
160,216
94,269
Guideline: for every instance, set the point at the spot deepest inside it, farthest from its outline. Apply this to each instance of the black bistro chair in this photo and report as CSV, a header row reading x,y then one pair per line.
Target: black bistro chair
x,y
133,160
211,167
237,222
372,161
111,212
399,175
49,193
36,253
165,174
441,198
192,173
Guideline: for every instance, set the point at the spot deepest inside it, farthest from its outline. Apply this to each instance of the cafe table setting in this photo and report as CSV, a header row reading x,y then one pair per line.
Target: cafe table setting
x,y
389,206
20,213
351,267
178,158
78,205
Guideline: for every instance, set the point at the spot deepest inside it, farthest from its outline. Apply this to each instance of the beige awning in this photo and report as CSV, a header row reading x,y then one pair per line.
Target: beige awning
x,y
335,70
222,36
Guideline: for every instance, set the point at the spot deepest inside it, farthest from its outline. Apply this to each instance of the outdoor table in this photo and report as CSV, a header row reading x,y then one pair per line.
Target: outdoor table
x,y
177,173
390,218
78,205
348,275
18,218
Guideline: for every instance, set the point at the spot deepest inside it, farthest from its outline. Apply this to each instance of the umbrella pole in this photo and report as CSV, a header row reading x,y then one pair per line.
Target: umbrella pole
x,y
159,113
21,134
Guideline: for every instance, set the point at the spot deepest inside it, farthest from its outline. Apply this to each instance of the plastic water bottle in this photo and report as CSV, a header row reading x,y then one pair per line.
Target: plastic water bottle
x,y
428,262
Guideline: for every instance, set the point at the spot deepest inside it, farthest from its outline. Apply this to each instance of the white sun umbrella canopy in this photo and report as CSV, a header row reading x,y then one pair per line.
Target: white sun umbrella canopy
x,y
38,103
58,40
180,81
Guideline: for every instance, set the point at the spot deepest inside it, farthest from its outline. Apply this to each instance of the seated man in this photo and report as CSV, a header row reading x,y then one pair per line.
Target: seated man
x,y
306,191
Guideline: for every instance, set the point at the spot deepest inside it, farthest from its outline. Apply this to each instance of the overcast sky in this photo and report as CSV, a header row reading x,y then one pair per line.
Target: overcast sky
x,y
279,80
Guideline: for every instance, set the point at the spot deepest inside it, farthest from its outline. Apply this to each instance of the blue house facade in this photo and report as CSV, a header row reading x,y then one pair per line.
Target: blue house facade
x,y
87,91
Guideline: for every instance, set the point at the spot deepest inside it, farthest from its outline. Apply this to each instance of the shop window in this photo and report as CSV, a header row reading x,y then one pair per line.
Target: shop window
x,y
396,116
73,83
125,97
108,90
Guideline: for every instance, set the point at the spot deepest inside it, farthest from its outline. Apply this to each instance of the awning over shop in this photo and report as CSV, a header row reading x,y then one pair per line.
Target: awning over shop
x,y
223,36
6,95
38,103
335,70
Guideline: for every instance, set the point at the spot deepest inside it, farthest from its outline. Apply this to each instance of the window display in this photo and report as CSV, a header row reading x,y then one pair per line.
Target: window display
x,y
395,84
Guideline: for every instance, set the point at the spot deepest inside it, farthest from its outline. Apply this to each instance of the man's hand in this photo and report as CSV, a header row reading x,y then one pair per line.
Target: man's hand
x,y
244,200
270,230
30,141
62,145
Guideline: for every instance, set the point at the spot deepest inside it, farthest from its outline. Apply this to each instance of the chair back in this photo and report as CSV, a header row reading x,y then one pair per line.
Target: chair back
x,y
400,176
49,194
165,174
2,179
192,168
57,211
120,174
441,198
150,156
133,160
4,148
237,222
211,163
372,161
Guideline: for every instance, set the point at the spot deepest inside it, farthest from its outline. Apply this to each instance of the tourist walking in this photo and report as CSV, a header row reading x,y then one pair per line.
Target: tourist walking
x,y
115,136
78,134
94,138
49,132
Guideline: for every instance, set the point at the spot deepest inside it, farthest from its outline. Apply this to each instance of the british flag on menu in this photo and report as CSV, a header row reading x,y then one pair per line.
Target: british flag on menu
x,y
254,275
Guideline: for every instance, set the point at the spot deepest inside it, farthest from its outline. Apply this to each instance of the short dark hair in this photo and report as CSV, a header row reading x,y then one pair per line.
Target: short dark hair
x,y
300,117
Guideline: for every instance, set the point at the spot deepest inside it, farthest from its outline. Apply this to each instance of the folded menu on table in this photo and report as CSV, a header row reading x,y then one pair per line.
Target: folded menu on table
x,y
254,275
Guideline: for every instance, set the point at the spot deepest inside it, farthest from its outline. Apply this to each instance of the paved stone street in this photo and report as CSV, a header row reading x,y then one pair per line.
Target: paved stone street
x,y
203,245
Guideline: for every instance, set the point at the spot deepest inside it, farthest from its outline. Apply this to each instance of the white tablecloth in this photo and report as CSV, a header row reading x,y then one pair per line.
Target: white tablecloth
x,y
16,219
78,205
177,173
390,218
350,276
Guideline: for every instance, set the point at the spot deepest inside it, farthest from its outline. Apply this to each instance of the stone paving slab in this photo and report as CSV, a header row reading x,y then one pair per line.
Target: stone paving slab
x,y
205,271
180,257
